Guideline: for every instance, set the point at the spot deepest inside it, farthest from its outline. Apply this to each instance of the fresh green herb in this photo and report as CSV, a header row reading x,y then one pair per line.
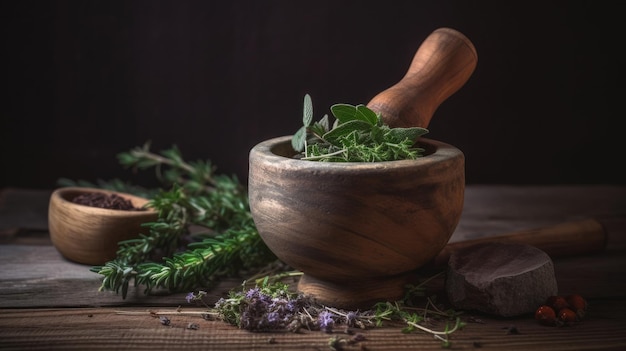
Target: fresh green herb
x,y
171,256
357,135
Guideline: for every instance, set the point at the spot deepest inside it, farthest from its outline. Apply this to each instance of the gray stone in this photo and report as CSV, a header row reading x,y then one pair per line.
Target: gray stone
x,y
500,278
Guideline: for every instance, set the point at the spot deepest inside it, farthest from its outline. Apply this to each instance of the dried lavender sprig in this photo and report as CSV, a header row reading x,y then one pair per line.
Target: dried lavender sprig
x,y
272,306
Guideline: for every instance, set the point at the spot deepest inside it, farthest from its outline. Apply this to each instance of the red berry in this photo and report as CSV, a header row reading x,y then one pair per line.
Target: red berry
x,y
567,316
578,304
557,302
545,315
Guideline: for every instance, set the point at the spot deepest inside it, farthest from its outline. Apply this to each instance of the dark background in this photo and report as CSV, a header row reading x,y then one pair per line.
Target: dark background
x,y
85,80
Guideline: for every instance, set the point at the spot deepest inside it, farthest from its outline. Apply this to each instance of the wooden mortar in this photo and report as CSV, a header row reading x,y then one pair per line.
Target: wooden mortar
x,y
358,231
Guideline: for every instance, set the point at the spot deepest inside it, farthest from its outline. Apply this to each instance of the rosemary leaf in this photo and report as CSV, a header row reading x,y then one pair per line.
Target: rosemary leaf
x,y
169,256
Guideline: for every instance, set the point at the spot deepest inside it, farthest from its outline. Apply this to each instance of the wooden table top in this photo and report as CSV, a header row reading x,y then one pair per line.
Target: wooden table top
x,y
47,302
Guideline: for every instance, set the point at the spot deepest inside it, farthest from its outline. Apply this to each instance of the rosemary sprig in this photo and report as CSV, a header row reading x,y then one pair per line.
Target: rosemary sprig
x,y
170,256
171,168
227,254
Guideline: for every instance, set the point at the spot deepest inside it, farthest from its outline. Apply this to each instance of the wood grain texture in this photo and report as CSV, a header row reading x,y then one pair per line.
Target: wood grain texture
x,y
354,225
563,239
135,328
39,276
90,235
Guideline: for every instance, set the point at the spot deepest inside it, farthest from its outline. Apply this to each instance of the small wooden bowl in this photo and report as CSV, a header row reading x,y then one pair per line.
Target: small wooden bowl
x,y
90,235
358,231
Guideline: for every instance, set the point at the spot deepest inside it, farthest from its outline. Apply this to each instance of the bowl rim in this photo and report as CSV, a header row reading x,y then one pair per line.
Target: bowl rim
x,y
264,152
60,195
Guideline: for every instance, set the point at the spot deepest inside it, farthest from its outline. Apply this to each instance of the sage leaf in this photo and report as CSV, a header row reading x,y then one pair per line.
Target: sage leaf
x,y
324,123
307,113
343,112
346,112
318,129
346,128
398,135
299,139
364,113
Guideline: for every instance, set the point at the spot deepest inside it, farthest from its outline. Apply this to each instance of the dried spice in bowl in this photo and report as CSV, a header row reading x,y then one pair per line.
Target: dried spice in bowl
x,y
108,201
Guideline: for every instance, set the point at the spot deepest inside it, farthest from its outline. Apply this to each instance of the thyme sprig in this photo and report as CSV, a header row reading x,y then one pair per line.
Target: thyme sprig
x,y
358,134
171,256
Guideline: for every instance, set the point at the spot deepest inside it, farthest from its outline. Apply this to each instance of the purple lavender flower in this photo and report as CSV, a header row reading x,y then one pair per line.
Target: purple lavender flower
x,y
326,321
253,293
190,297
351,318
220,303
293,305
266,299
246,321
273,320
279,305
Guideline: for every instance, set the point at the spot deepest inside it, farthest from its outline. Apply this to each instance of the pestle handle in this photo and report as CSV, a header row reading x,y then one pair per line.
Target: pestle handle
x,y
441,66
564,239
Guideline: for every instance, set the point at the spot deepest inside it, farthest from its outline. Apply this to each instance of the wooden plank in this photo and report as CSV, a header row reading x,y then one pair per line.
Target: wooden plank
x,y
38,276
106,328
496,209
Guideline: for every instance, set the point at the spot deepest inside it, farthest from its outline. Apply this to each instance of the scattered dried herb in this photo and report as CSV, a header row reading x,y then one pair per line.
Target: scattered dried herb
x,y
108,201
164,320
270,305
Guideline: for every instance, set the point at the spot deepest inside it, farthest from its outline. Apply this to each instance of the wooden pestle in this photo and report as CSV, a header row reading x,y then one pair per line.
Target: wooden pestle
x,y
584,236
441,66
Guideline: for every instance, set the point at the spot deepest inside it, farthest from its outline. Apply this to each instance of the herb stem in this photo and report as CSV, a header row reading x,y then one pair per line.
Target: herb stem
x,y
174,312
447,332
143,154
319,157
